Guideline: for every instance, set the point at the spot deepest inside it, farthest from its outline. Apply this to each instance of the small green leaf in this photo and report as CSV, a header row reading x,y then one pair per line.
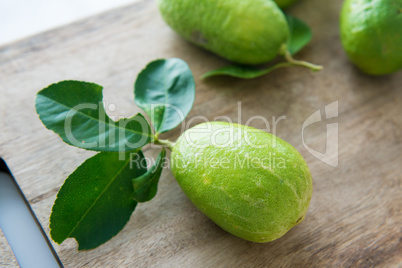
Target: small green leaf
x,y
165,90
74,110
300,34
96,200
244,72
146,185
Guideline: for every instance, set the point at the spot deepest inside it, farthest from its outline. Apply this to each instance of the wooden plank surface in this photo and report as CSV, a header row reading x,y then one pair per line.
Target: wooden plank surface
x,y
355,214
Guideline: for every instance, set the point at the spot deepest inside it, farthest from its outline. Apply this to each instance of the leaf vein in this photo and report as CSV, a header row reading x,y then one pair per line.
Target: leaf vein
x,y
96,119
96,200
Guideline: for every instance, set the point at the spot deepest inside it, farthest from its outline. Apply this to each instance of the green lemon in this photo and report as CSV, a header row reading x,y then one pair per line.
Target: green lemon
x,y
249,182
246,32
371,33
284,3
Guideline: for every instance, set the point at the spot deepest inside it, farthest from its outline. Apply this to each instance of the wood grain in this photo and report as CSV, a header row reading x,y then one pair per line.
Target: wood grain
x,y
355,214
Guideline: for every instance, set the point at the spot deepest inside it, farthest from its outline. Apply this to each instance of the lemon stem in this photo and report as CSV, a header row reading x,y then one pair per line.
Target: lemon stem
x,y
309,65
165,143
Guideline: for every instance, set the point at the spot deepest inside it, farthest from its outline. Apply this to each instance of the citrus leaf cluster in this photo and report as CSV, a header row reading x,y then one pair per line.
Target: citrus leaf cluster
x,y
97,199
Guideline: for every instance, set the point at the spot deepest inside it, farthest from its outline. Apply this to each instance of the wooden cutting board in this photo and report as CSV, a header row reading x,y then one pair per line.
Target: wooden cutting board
x,y
355,214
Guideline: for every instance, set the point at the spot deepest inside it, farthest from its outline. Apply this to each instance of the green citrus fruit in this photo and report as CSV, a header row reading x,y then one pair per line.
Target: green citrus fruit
x,y
247,32
371,33
249,182
284,3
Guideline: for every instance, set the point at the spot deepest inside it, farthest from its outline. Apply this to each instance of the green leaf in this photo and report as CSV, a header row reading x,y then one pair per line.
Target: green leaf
x,y
165,90
244,72
96,200
146,185
74,110
300,34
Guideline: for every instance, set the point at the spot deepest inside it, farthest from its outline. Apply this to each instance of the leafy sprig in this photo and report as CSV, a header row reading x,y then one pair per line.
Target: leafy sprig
x,y
300,36
97,199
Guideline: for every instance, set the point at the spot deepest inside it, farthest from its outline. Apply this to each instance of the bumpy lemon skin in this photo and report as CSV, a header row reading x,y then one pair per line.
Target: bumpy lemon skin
x,y
246,32
284,3
371,34
257,201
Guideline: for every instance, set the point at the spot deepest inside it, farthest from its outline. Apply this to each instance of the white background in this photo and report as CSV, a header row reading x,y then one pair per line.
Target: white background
x,y
22,18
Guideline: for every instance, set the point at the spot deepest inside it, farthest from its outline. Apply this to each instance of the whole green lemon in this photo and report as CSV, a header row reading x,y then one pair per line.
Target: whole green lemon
x,y
249,182
247,32
371,33
284,3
